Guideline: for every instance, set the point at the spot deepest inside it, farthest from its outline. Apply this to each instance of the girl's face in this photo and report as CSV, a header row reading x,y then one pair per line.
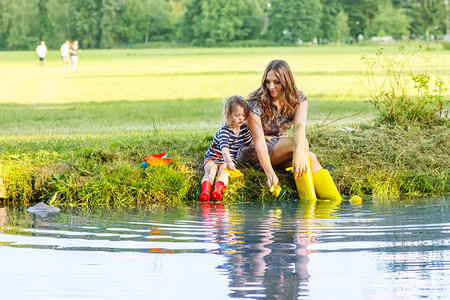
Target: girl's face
x,y
237,117
274,85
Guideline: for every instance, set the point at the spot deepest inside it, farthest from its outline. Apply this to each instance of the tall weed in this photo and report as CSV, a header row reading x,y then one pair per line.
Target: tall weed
x,y
402,93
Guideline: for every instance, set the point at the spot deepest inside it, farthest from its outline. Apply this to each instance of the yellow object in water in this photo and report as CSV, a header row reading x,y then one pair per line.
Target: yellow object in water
x,y
324,186
355,200
235,174
305,184
276,191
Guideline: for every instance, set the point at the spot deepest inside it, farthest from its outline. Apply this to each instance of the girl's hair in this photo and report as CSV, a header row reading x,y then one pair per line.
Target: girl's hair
x,y
231,103
290,91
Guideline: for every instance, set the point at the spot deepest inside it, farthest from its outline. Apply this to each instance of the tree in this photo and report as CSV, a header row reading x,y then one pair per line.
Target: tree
x,y
360,14
61,20
160,26
291,21
342,30
87,22
133,22
215,22
330,9
427,16
109,14
20,23
390,20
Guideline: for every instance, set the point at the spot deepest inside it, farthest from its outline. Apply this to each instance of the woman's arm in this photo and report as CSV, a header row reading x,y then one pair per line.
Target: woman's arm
x,y
256,129
300,164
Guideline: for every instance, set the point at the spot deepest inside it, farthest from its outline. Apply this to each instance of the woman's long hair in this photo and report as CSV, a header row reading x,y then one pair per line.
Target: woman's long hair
x,y
290,91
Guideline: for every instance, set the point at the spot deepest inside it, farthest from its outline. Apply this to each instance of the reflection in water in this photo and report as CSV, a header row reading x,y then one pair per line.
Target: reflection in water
x,y
270,257
215,251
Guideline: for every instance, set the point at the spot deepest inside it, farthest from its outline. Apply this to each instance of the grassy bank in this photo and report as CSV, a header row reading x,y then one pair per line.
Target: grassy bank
x,y
106,171
79,136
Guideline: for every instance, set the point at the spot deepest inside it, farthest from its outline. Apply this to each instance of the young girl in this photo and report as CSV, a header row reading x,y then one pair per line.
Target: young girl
x,y
222,153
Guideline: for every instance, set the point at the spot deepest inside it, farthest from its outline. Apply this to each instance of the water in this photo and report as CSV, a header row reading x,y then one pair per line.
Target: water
x,y
323,250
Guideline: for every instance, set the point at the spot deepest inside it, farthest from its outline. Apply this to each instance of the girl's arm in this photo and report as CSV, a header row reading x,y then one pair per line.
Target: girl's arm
x,y
256,129
227,158
300,164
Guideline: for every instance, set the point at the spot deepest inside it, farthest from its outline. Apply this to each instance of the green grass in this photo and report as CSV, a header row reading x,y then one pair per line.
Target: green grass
x,y
121,105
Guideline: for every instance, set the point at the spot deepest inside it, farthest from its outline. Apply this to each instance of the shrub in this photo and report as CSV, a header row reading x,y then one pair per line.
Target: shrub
x,y
403,95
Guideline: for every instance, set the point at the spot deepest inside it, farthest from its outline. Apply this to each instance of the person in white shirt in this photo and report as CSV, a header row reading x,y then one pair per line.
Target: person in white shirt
x,y
41,51
65,54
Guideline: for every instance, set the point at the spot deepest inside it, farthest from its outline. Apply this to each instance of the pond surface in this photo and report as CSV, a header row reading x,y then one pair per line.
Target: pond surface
x,y
295,250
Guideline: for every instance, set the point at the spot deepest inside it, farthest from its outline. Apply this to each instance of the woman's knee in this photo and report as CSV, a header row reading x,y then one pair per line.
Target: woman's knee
x,y
315,164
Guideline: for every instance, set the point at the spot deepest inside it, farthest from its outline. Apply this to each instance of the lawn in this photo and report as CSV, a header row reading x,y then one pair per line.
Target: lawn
x,y
120,105
136,89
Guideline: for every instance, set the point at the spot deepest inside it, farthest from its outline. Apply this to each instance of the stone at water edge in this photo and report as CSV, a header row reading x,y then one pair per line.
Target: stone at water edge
x,y
42,209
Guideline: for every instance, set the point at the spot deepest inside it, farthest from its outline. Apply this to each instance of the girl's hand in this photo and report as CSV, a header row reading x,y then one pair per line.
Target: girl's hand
x,y
272,179
230,166
268,137
300,166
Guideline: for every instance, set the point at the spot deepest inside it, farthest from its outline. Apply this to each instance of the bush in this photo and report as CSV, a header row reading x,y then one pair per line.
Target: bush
x,y
403,95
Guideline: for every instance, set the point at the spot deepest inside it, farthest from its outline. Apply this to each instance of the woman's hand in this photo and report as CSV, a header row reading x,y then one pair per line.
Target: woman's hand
x,y
300,166
272,179
269,137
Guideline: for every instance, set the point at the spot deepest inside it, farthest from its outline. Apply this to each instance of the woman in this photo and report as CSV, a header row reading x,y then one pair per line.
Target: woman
x,y
274,108
74,50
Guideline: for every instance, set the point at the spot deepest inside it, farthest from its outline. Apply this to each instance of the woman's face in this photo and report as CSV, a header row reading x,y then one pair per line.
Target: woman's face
x,y
273,84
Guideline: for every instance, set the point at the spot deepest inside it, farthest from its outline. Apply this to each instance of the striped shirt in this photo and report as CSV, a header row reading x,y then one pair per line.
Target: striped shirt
x,y
226,138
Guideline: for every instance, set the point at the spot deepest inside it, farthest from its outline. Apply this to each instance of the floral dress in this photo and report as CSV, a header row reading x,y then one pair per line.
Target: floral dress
x,y
276,128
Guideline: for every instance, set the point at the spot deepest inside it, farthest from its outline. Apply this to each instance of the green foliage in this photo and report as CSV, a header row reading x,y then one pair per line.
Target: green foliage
x,y
111,23
87,22
217,22
109,12
19,21
390,20
405,96
133,22
294,21
360,13
427,16
60,16
342,30
330,9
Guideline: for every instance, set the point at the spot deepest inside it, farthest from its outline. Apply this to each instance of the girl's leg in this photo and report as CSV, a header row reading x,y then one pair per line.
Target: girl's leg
x,y
223,175
207,180
210,172
221,184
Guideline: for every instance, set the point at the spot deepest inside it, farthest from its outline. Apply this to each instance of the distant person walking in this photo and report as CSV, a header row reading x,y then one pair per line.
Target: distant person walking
x,y
65,54
74,50
41,51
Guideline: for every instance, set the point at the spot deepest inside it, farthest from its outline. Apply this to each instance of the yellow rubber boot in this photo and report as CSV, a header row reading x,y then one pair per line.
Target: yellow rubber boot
x,y
324,185
305,185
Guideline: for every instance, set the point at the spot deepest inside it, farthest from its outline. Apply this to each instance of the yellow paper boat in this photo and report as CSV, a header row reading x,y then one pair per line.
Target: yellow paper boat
x,y
276,191
235,174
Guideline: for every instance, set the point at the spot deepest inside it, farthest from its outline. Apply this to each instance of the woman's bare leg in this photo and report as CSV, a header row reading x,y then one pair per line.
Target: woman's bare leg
x,y
283,153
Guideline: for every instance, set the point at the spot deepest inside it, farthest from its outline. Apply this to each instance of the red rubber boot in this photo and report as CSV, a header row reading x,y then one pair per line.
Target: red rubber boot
x,y
220,188
206,190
